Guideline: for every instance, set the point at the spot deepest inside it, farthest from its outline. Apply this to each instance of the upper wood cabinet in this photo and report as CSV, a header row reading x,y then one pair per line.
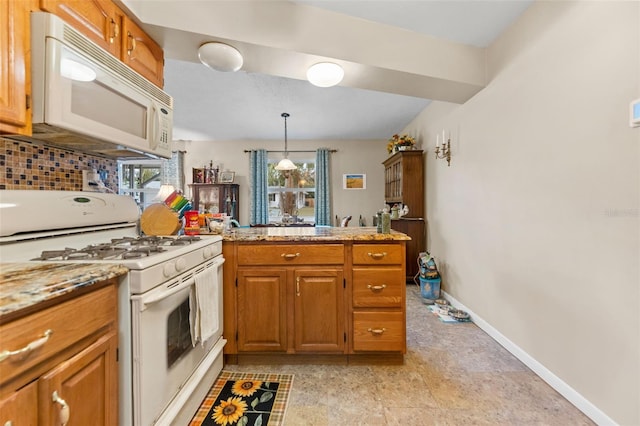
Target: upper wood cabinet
x,y
404,181
15,81
141,53
100,20
107,25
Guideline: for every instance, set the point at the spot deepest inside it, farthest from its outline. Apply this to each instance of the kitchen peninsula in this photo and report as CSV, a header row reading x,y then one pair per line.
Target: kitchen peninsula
x,y
314,294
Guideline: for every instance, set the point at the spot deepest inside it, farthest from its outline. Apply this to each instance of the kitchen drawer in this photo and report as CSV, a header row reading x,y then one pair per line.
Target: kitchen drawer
x,y
69,322
291,254
377,254
378,287
379,331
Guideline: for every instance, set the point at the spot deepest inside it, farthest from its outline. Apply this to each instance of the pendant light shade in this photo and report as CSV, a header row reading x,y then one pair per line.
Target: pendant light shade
x,y
325,74
220,56
285,164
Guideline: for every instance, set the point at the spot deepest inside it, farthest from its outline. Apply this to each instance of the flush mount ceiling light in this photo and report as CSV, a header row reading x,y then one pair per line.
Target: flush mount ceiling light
x,y
220,56
285,164
325,74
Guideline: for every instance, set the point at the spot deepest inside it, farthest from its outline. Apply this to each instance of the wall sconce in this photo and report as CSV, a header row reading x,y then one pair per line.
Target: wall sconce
x,y
444,152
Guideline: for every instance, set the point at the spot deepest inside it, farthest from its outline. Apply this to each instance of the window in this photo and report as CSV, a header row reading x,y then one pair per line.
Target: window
x,y
292,193
140,179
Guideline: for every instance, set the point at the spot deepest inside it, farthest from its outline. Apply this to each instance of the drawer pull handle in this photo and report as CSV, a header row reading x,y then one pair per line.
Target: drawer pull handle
x,y
24,352
64,408
290,256
377,331
377,256
376,287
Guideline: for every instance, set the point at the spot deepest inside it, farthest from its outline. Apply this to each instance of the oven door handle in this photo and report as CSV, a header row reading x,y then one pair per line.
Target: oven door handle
x,y
157,297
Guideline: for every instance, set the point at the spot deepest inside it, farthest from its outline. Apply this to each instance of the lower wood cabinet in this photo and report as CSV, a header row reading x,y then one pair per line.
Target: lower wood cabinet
x,y
20,407
262,310
72,372
345,298
293,309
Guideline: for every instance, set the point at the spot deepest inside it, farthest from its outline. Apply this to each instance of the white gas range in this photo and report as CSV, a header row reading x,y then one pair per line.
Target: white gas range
x,y
170,303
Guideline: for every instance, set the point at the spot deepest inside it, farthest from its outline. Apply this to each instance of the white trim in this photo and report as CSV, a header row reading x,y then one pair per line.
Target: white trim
x,y
581,403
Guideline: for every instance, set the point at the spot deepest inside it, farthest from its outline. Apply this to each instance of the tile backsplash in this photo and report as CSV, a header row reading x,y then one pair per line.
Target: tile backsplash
x,y
25,165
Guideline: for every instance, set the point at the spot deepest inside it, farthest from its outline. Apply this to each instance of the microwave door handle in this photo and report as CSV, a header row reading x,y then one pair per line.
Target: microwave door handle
x,y
155,122
155,298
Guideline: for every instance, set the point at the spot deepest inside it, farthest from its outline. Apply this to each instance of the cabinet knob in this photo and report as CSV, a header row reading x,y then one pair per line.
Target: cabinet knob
x,y
377,256
377,331
24,352
376,287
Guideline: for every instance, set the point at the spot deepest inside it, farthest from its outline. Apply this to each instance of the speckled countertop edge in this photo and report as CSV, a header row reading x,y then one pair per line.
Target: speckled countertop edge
x,y
311,234
25,284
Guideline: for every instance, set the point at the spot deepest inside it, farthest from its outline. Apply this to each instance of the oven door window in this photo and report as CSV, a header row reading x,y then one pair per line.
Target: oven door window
x,y
178,333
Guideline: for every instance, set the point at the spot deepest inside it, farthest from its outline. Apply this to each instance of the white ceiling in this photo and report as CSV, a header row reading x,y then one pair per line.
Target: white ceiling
x,y
397,55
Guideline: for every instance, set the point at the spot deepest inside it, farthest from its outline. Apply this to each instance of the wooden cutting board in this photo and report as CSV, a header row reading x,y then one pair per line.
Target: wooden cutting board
x,y
158,219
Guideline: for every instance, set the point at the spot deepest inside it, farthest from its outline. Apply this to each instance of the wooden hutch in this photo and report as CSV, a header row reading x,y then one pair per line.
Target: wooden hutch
x,y
404,184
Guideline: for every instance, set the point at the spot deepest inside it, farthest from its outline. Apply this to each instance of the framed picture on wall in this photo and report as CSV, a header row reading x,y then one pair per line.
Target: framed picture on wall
x,y
354,181
227,177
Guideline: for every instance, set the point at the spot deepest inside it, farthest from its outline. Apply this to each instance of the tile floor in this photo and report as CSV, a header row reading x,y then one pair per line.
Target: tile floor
x,y
454,374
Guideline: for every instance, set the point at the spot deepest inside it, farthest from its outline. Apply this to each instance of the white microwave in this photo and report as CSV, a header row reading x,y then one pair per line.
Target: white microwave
x,y
86,99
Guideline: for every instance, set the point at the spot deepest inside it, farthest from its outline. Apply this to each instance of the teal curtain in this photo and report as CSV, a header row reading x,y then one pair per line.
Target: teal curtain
x,y
323,187
259,196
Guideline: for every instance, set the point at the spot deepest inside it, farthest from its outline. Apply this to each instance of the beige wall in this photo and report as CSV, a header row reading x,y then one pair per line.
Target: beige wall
x,y
351,157
536,224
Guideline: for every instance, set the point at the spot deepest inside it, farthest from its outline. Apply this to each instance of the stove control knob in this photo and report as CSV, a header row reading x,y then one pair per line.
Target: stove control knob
x,y
169,269
181,264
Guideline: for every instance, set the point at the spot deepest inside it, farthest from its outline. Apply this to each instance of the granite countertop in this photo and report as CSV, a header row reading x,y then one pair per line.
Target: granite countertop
x,y
311,234
25,284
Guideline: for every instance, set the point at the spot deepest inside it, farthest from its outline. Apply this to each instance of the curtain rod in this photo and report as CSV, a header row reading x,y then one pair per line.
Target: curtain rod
x,y
293,150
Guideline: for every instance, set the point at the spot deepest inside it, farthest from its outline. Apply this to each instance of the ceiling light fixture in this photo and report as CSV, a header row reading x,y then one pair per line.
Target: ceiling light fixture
x,y
325,74
220,56
285,164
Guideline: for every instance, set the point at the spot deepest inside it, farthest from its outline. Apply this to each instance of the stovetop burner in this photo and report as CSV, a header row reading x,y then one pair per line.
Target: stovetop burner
x,y
120,248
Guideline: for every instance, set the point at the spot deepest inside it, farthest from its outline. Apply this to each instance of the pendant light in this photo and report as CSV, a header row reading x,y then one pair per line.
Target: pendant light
x,y
285,164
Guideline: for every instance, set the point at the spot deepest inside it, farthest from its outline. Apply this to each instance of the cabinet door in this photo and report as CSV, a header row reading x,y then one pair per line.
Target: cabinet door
x,y
141,53
262,310
100,20
14,77
20,408
87,383
319,310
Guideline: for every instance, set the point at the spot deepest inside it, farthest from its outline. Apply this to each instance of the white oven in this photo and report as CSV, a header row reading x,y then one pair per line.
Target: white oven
x,y
165,350
170,303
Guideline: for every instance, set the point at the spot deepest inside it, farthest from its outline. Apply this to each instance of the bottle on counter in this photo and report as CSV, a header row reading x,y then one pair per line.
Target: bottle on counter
x,y
379,222
386,223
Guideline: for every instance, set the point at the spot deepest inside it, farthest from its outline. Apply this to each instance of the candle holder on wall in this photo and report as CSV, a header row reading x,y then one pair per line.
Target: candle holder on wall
x,y
443,152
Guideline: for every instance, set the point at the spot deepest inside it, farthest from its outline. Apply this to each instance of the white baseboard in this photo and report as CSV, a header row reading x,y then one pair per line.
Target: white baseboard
x,y
581,403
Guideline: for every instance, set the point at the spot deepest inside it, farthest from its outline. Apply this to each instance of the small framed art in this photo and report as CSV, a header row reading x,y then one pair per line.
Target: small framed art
x,y
227,177
354,181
